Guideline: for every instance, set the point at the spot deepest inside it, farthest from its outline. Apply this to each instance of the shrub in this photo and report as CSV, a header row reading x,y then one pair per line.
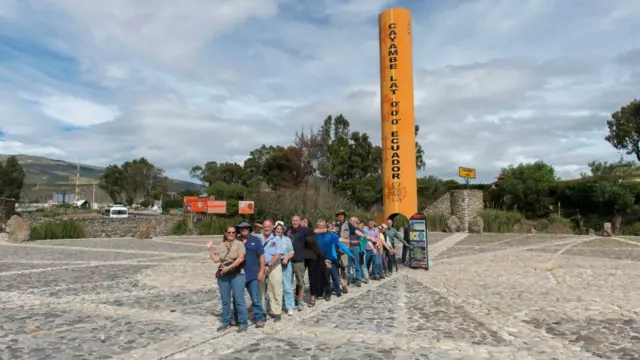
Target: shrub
x,y
555,224
436,222
64,229
216,226
632,230
499,221
180,227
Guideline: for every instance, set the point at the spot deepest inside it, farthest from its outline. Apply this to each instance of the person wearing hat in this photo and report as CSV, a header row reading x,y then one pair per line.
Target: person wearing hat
x,y
342,229
253,269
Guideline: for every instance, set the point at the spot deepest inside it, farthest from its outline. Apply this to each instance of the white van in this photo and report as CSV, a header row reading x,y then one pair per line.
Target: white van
x,y
116,212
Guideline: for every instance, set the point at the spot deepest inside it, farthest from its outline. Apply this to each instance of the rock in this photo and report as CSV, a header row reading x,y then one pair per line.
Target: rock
x,y
591,232
476,225
532,230
18,229
453,224
144,231
608,231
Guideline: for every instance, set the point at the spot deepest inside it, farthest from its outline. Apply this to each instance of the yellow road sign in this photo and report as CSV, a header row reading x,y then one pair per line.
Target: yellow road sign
x,y
467,173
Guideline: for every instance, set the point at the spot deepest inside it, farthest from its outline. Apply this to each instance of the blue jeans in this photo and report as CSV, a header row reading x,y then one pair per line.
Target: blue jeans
x,y
287,286
354,264
363,265
256,302
372,260
380,260
233,287
334,277
391,260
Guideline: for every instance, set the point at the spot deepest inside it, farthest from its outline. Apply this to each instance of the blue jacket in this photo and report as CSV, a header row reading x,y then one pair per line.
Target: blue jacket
x,y
328,242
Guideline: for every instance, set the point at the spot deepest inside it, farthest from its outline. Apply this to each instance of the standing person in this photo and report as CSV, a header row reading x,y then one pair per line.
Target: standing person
x,y
304,222
299,235
329,243
316,266
405,249
272,282
231,279
392,235
342,229
287,268
363,252
253,269
354,245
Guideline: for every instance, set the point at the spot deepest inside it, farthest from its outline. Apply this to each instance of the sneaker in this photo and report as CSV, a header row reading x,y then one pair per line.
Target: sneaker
x,y
366,281
277,318
345,290
223,327
290,312
242,329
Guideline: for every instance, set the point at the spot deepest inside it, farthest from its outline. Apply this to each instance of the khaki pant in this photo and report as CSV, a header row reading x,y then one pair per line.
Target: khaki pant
x,y
343,272
272,285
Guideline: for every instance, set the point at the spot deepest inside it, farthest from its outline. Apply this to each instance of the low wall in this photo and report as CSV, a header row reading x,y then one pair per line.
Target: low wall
x,y
463,204
102,227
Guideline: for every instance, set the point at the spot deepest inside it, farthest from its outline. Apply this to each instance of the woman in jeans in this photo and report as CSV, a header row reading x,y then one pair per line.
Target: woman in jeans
x,y
287,268
231,279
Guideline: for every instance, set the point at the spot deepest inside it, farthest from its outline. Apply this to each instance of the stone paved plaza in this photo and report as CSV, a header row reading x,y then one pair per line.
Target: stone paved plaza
x,y
491,296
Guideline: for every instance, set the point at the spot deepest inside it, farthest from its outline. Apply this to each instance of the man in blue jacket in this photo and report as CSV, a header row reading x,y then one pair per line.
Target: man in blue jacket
x,y
328,242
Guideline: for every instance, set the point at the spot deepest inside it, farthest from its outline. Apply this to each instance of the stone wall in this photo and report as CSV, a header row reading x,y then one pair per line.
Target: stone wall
x,y
463,204
441,206
7,210
102,227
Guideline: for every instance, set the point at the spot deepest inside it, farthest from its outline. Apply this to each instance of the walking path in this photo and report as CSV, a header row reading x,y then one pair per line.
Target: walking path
x,y
487,296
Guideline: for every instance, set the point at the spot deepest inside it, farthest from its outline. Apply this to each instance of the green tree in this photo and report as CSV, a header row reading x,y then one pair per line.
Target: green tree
x,y
112,182
134,180
213,172
334,148
609,190
12,177
431,188
624,129
420,164
285,168
528,188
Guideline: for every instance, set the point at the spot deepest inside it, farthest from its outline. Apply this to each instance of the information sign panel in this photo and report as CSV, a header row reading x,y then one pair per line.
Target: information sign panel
x,y
419,255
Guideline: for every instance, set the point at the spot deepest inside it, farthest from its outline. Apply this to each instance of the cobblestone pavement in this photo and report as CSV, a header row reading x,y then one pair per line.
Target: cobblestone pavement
x,y
488,296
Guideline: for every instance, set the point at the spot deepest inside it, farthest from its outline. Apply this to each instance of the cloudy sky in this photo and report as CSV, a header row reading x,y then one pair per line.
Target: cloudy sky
x,y
182,82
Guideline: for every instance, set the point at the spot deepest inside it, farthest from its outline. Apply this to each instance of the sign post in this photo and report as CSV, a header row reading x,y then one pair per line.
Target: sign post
x,y
467,174
419,255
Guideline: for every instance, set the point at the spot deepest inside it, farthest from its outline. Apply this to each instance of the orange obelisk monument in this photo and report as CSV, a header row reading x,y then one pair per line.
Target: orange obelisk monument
x,y
399,175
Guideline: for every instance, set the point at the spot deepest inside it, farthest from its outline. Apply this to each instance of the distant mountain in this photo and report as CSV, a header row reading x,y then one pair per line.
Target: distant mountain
x,y
44,173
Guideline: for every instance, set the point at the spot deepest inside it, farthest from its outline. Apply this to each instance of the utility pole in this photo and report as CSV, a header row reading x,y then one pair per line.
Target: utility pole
x,y
77,179
93,199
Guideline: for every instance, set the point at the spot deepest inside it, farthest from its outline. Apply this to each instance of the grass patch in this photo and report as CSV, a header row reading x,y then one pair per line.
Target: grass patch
x,y
499,221
436,222
63,229
180,227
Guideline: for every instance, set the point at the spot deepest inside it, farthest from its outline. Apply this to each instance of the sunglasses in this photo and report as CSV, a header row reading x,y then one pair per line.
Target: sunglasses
x,y
231,232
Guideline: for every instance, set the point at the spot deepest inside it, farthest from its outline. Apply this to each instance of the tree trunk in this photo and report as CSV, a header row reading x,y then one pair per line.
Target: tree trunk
x,y
617,221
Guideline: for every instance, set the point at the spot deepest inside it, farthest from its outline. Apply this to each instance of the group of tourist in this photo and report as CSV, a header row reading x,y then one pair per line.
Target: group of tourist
x,y
334,256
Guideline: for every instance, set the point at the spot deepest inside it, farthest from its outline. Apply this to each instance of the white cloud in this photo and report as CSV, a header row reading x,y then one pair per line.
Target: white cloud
x,y
14,147
496,82
75,111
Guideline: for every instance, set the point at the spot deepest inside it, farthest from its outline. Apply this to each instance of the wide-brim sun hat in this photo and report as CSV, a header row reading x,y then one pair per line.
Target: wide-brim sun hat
x,y
243,225
279,222
341,212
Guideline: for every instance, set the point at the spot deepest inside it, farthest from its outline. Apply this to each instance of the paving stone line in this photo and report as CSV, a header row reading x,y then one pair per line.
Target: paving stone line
x,y
515,331
505,251
94,249
445,244
91,264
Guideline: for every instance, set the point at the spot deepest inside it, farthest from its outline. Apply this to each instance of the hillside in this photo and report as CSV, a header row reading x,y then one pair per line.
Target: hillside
x,y
46,173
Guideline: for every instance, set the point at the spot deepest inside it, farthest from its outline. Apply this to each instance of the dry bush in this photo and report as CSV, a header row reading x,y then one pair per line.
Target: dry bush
x,y
313,201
